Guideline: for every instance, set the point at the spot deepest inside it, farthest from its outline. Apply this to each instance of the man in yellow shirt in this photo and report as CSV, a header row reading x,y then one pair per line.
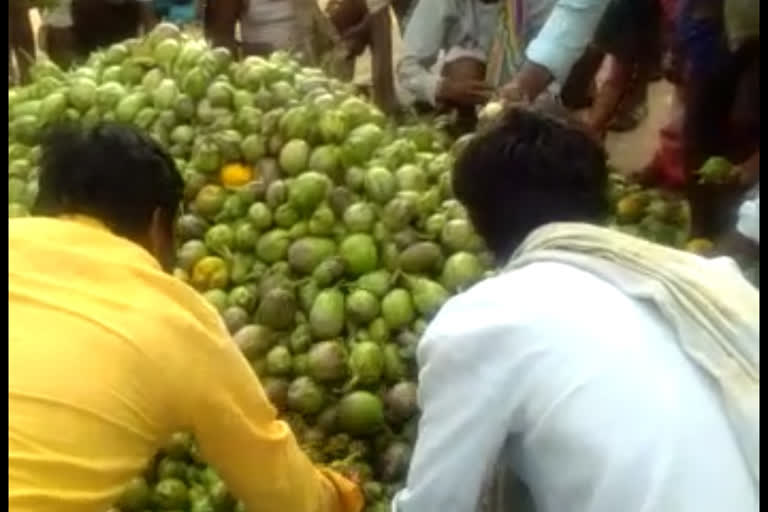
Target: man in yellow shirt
x,y
109,354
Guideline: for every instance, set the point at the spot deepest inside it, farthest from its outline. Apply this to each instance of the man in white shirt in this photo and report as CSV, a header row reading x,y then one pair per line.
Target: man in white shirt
x,y
552,375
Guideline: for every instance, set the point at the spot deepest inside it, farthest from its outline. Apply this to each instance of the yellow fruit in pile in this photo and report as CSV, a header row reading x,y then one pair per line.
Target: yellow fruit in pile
x,y
700,246
235,175
631,208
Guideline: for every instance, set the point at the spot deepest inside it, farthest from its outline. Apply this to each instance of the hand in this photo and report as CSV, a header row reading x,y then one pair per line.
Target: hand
x,y
512,94
466,93
529,82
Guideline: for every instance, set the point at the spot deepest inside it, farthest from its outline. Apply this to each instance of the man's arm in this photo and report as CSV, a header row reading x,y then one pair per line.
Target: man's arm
x,y
20,37
381,60
239,433
423,41
559,44
468,408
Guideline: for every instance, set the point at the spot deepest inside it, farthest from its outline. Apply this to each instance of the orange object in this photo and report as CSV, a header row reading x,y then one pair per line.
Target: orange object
x,y
235,175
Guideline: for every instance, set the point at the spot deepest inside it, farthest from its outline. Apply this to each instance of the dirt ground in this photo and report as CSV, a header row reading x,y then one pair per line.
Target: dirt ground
x,y
627,151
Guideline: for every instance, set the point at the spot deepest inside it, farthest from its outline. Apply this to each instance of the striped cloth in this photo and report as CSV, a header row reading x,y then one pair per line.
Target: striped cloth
x,y
507,51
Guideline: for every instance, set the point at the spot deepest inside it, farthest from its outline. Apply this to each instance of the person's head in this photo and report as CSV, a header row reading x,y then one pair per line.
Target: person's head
x,y
116,174
526,170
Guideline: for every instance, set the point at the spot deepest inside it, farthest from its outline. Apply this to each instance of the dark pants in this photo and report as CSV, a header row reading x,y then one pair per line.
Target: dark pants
x,y
722,119
99,23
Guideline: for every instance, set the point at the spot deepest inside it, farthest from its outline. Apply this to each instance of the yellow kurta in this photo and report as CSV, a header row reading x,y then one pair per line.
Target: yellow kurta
x,y
109,355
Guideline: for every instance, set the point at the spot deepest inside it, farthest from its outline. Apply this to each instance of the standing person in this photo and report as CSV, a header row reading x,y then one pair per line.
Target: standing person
x,y
629,33
595,366
270,25
368,24
102,23
21,41
530,69
59,42
459,31
107,347
699,48
518,46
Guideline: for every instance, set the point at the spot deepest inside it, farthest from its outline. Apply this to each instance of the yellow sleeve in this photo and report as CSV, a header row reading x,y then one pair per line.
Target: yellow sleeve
x,y
255,453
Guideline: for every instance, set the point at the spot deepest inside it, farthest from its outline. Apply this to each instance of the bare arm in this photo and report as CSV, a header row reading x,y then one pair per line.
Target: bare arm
x,y
21,39
381,60
558,45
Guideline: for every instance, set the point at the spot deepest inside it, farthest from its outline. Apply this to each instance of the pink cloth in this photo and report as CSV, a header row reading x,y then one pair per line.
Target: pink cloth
x,y
667,166
669,10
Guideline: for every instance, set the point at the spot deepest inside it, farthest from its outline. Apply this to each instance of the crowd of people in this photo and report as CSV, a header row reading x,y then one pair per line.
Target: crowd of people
x,y
596,371
458,54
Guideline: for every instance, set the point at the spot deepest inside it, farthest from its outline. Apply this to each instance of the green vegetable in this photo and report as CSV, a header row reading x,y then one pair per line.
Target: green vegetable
x,y
294,157
305,396
360,413
327,314
307,253
273,246
461,270
308,190
397,308
380,185
359,253
362,306
367,362
327,361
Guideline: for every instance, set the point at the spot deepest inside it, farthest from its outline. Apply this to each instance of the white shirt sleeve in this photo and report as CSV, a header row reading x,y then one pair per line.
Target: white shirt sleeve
x,y
749,219
566,34
466,401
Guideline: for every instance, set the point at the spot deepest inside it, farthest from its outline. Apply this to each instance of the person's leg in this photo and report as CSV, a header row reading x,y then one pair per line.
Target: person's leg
x,y
610,94
722,120
98,24
579,91
640,51
60,45
616,35
21,39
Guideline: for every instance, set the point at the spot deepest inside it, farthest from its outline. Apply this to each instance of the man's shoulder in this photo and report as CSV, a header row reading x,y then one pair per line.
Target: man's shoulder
x,y
523,298
526,285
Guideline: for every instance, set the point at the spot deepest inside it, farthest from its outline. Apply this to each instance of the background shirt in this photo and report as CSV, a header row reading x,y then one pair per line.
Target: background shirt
x,y
749,216
108,356
582,393
555,34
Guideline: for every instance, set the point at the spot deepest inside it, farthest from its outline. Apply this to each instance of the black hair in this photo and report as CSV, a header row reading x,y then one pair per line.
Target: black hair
x,y
112,172
526,170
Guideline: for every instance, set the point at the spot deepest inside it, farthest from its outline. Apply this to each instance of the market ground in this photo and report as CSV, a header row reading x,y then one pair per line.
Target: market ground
x,y
628,151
